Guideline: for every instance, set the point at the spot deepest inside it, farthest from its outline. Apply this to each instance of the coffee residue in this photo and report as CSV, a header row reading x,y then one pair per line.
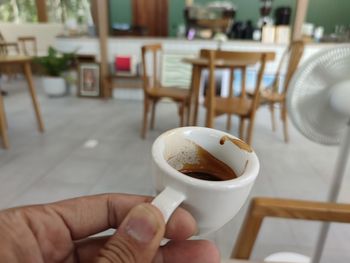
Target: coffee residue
x,y
207,167
241,144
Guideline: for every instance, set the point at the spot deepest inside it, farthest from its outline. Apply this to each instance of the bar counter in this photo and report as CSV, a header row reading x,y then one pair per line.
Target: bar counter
x,y
132,46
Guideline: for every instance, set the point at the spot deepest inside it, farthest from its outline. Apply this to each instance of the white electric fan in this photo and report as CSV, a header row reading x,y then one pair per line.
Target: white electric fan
x,y
318,101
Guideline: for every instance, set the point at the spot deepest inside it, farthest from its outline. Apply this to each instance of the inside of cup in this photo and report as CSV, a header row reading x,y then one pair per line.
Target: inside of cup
x,y
181,147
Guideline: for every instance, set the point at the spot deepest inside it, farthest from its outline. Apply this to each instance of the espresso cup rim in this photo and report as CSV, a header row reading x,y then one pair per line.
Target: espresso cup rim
x,y
249,174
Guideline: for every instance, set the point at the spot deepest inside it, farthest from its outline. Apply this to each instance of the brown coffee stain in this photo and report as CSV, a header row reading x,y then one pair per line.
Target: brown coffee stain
x,y
207,164
242,145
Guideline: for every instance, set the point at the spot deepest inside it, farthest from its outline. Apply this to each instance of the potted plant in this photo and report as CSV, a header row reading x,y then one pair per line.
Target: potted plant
x,y
53,67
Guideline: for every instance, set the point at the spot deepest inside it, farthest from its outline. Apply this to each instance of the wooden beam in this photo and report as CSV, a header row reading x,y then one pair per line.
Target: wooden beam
x,y
300,15
41,11
102,28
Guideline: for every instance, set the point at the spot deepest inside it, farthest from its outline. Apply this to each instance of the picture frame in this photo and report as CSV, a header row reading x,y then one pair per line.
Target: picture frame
x,y
89,78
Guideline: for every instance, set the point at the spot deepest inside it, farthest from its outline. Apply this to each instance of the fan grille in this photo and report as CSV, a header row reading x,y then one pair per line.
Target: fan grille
x,y
309,95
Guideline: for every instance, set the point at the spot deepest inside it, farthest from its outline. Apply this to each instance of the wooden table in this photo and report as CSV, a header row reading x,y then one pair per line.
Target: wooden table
x,y
198,64
25,63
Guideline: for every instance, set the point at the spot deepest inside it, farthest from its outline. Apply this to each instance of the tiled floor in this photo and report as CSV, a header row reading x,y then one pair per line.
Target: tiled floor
x,y
56,165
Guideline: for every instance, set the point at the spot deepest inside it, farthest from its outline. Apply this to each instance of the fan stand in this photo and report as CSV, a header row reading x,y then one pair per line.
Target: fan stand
x,y
340,169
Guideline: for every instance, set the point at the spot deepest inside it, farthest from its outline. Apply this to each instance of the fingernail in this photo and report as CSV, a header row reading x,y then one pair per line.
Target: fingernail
x,y
141,225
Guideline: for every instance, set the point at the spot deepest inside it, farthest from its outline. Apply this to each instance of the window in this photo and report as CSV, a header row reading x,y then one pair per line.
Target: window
x,y
58,11
18,11
61,10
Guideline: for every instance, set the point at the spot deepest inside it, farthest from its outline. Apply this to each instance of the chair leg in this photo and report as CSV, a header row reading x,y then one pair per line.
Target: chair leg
x,y
186,115
228,122
285,122
241,128
232,77
250,132
272,111
145,115
188,112
182,114
154,104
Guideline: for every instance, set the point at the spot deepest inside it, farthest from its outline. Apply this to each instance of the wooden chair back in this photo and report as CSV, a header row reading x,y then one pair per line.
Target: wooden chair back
x,y
293,54
2,39
8,48
252,58
151,56
28,45
260,208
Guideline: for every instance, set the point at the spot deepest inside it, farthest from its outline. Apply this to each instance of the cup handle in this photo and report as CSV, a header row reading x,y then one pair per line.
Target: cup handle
x,y
167,201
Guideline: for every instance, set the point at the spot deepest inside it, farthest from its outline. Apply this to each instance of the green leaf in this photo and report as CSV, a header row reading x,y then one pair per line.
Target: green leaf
x,y
55,63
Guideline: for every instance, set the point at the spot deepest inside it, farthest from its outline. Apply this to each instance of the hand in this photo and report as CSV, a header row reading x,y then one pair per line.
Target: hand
x,y
59,232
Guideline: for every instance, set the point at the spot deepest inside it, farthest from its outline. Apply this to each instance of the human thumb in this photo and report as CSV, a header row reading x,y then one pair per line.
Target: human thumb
x,y
137,239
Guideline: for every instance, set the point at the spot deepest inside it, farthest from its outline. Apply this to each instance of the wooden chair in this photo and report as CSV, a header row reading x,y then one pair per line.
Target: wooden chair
x,y
8,48
284,208
273,95
243,106
153,90
28,45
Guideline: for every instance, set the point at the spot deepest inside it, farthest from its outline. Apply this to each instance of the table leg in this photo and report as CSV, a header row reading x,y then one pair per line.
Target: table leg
x,y
195,86
28,74
3,126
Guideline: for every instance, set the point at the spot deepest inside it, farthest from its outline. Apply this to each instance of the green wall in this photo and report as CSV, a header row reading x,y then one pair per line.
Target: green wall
x,y
120,11
329,13
326,13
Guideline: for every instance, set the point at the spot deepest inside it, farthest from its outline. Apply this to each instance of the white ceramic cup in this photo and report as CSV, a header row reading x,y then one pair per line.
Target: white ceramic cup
x,y
211,203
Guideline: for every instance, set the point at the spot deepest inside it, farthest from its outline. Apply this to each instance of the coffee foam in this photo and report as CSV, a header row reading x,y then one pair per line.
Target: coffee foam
x,y
185,153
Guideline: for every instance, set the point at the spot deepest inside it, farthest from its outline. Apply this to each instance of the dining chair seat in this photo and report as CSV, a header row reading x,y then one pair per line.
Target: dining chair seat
x,y
175,93
268,95
233,105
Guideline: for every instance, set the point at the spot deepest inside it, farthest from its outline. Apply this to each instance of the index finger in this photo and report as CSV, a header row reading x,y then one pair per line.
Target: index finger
x,y
85,216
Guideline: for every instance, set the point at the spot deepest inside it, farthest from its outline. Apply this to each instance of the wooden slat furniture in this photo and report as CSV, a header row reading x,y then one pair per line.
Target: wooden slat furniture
x,y
7,48
243,106
272,95
153,90
198,65
25,63
260,208
28,45
202,62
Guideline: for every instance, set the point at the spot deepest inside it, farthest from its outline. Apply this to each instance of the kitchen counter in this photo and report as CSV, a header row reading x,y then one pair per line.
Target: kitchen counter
x,y
132,46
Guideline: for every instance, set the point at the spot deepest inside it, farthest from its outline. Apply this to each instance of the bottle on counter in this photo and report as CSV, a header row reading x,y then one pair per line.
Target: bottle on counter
x,y
318,33
237,30
248,30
